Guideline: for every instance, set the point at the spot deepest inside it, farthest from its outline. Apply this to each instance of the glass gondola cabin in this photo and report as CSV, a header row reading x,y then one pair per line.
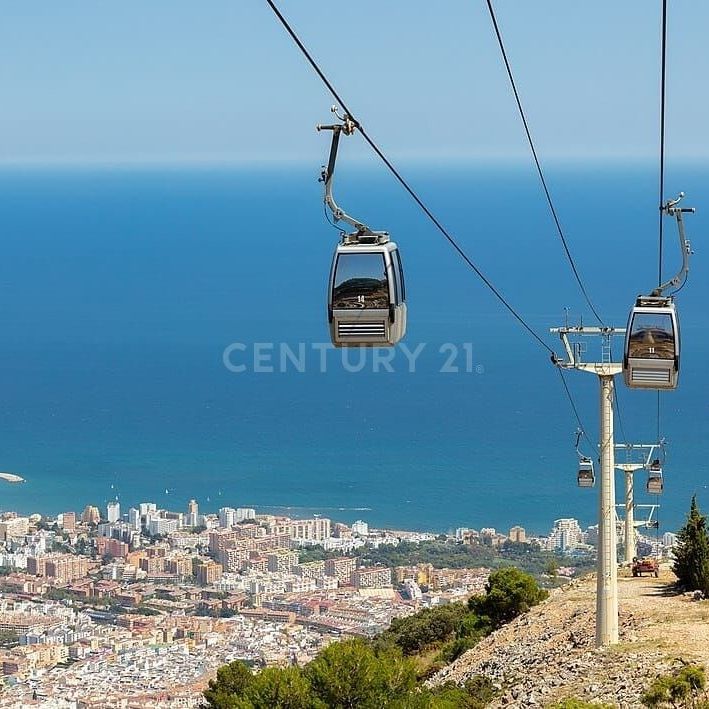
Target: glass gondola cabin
x,y
585,476
655,483
651,358
367,297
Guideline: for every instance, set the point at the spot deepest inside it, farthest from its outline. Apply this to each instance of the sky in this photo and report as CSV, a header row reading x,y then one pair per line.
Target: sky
x,y
172,80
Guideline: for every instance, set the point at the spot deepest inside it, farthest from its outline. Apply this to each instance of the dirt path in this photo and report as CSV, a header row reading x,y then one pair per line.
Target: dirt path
x,y
671,623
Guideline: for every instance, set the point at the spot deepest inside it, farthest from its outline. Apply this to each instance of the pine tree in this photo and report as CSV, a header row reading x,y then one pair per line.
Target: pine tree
x,y
692,552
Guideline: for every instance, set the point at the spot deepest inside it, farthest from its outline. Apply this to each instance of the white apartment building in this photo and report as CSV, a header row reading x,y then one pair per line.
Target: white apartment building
x,y
113,511
134,519
361,528
158,525
243,513
147,508
227,517
566,534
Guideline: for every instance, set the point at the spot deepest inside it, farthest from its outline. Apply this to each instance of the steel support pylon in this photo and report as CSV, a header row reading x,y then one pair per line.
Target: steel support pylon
x,y
630,552
629,469
607,562
607,568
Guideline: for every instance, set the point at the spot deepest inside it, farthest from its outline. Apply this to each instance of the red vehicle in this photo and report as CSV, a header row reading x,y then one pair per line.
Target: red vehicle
x,y
647,565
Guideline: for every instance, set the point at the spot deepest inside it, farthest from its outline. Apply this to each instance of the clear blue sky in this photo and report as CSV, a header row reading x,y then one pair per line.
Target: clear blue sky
x,y
220,80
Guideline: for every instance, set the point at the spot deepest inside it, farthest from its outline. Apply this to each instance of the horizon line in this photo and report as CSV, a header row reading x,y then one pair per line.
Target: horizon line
x,y
228,162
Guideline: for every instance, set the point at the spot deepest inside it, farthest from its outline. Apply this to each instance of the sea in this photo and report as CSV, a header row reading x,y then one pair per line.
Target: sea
x,y
164,338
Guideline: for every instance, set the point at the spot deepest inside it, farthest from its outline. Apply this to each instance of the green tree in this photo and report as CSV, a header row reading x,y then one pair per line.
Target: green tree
x,y
692,552
679,689
509,592
476,693
551,568
353,675
275,688
453,649
428,627
229,687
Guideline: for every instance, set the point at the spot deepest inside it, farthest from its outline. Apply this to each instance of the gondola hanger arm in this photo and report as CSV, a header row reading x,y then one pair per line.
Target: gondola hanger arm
x,y
348,127
671,209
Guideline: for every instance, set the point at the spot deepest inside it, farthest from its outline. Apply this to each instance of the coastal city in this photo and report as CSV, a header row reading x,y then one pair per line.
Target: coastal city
x,y
102,608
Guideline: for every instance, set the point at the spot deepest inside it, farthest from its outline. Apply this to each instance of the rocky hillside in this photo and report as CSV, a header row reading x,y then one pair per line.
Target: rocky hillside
x,y
549,654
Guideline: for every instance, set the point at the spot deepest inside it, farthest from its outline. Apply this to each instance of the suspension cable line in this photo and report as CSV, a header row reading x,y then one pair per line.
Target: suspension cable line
x,y
405,184
540,172
663,65
552,209
663,76
451,240
582,429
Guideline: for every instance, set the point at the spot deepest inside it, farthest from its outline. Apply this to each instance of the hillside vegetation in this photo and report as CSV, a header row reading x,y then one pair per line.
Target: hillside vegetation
x,y
548,655
387,673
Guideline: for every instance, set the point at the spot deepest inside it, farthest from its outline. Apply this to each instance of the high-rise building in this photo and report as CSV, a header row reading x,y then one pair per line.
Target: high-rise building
x,y
105,529
147,508
372,577
112,547
462,534
192,518
341,568
227,517
566,534
220,539
315,529
282,561
158,525
113,511
669,539
243,513
14,527
179,565
67,567
361,528
518,534
37,565
68,521
134,519
208,572
341,531
63,567
90,515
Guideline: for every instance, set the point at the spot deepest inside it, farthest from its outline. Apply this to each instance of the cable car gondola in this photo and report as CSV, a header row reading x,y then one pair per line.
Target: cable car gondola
x,y
366,303
655,483
585,476
652,342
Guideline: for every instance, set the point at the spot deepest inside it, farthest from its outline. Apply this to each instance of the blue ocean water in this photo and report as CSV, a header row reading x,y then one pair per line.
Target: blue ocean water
x,y
122,288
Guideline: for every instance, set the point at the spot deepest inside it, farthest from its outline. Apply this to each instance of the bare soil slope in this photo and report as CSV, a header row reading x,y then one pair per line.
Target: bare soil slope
x,y
549,654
